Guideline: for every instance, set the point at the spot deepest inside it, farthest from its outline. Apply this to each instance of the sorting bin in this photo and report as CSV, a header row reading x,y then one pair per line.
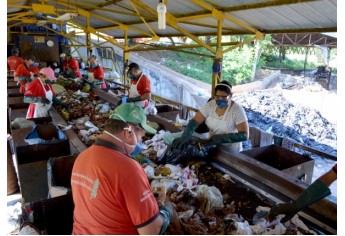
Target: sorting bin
x,y
167,111
59,174
285,160
32,163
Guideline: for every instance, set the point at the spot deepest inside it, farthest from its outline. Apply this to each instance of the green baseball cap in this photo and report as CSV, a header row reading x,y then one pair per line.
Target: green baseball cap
x,y
131,113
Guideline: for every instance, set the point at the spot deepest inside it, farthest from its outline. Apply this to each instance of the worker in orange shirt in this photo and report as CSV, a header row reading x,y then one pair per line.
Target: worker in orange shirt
x,y
95,72
14,61
140,90
111,192
71,66
25,73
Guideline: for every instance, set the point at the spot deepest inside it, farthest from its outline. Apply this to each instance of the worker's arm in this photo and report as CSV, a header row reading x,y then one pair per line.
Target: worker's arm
x,y
160,224
240,136
145,96
30,99
316,191
188,131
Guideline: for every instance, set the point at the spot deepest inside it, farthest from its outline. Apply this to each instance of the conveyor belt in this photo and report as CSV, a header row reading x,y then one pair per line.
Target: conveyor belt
x,y
276,185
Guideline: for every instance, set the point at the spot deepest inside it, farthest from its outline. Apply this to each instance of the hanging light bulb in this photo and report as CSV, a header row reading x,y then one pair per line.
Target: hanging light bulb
x,y
161,10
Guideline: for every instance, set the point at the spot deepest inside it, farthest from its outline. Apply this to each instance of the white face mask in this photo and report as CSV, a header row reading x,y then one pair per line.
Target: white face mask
x,y
132,147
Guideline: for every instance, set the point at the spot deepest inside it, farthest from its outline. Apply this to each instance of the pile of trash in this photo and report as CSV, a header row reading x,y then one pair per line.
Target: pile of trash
x,y
271,112
209,202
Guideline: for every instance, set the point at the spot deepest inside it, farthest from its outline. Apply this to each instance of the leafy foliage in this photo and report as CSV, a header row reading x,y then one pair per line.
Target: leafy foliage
x,y
274,61
237,64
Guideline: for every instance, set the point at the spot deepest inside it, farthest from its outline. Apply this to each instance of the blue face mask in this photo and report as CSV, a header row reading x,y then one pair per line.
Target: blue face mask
x,y
33,64
221,103
136,151
93,65
47,81
131,76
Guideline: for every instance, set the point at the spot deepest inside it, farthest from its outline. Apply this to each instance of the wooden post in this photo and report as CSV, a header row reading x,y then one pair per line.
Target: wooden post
x,y
306,59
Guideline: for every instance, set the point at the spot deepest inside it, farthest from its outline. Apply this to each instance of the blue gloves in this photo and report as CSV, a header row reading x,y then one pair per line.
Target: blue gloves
x,y
186,136
124,99
229,138
165,212
312,194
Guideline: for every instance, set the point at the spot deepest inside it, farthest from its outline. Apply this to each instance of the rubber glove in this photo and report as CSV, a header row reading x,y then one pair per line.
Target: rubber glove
x,y
136,99
60,103
165,212
229,138
124,99
186,136
312,194
24,78
43,100
29,99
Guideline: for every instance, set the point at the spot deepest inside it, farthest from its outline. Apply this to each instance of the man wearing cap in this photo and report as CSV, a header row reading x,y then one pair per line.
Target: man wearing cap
x,y
95,72
111,192
40,94
25,72
72,66
225,118
140,90
14,61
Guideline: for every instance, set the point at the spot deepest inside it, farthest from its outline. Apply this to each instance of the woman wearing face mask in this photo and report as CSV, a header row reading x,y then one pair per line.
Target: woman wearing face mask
x,y
25,73
225,118
96,72
140,90
40,94
111,192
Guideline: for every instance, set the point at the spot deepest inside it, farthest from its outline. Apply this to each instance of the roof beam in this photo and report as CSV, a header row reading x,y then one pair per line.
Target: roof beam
x,y
20,15
304,30
172,22
265,4
154,47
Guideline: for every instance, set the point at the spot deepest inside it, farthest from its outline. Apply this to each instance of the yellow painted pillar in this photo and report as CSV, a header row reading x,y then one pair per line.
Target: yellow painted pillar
x,y
217,69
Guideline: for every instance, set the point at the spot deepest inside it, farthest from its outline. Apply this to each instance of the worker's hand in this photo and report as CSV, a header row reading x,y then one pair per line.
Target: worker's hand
x,y
135,99
44,100
180,143
166,213
124,99
229,138
217,138
65,105
289,209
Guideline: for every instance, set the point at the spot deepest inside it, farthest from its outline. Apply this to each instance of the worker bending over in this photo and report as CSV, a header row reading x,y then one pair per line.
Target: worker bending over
x,y
111,192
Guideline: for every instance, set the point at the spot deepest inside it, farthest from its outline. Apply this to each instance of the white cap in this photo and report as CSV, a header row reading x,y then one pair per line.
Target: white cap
x,y
62,55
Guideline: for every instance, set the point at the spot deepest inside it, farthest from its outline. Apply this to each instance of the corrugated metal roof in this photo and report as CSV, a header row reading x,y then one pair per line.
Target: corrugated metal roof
x,y
280,16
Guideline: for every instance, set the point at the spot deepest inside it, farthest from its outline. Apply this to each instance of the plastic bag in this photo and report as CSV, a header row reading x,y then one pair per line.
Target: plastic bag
x,y
198,150
211,198
45,134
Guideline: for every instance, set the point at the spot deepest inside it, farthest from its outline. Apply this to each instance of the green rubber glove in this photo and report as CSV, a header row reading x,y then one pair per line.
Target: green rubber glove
x,y
58,102
165,212
29,99
312,194
186,136
229,138
136,99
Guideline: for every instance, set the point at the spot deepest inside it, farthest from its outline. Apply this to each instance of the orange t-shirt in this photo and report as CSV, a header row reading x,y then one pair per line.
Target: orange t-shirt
x,y
111,192
13,62
73,64
144,85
